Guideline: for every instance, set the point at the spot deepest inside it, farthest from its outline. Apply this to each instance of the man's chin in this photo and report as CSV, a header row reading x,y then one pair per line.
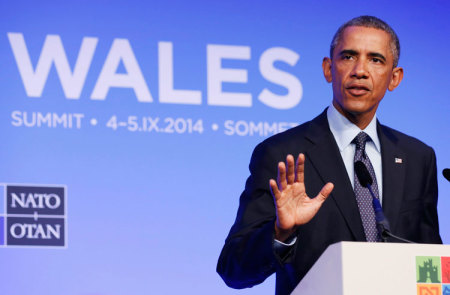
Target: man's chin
x,y
356,106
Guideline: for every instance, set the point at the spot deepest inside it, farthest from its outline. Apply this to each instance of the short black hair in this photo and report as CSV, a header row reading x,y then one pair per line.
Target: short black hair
x,y
369,22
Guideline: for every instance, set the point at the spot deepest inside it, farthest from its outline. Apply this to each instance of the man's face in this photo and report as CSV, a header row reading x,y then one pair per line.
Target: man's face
x,y
361,69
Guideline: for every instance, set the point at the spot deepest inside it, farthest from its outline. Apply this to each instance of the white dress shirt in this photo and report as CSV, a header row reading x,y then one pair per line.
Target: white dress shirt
x,y
344,132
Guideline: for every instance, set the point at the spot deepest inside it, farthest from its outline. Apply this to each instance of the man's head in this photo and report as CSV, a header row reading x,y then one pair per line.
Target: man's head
x,y
361,69
369,22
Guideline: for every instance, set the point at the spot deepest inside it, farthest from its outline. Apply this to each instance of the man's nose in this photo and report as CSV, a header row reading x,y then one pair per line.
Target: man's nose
x,y
360,70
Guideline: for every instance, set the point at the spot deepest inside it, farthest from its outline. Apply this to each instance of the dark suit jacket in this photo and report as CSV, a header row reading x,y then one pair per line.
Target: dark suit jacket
x,y
409,203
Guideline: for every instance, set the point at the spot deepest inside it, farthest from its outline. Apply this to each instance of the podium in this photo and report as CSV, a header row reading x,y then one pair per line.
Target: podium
x,y
354,268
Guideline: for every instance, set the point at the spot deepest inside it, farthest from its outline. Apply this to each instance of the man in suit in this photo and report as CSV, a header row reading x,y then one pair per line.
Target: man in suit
x,y
279,227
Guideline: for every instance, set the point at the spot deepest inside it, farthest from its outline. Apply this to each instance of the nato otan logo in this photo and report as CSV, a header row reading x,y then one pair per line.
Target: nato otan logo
x,y
33,216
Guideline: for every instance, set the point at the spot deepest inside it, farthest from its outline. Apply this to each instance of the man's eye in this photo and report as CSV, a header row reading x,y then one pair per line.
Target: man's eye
x,y
377,60
347,57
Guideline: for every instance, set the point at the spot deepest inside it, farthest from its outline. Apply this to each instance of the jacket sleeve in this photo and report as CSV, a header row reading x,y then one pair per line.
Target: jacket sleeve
x,y
248,256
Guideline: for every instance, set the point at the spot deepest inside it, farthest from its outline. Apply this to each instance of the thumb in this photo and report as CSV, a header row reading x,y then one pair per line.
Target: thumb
x,y
324,192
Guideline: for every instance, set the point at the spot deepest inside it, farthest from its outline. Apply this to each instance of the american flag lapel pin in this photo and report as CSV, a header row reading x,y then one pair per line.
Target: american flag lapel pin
x,y
398,160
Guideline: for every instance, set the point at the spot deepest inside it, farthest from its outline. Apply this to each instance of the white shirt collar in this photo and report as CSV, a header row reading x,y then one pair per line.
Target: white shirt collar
x,y
345,131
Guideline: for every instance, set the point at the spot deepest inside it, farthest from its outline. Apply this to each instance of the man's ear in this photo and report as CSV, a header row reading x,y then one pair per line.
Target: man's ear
x,y
397,77
326,66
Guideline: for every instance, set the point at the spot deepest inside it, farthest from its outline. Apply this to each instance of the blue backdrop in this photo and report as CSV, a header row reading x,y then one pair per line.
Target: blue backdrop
x,y
147,113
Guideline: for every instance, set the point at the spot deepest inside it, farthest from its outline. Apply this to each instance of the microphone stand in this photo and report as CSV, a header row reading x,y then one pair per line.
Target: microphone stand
x,y
382,223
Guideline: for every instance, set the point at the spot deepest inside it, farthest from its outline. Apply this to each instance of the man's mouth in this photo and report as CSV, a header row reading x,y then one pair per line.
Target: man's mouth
x,y
357,89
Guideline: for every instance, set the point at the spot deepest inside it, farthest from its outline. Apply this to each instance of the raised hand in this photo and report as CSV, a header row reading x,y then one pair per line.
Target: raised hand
x,y
293,206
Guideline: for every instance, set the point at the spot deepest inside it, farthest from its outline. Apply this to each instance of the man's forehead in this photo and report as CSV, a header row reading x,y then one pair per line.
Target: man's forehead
x,y
365,36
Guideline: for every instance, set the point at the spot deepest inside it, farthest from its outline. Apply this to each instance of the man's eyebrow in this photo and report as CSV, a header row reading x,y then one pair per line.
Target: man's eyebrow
x,y
348,52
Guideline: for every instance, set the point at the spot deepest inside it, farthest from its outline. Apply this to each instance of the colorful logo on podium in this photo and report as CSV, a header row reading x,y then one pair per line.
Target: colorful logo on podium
x,y
33,216
433,275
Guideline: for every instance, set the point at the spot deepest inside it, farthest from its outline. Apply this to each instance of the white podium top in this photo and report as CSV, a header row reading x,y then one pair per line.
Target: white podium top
x,y
356,268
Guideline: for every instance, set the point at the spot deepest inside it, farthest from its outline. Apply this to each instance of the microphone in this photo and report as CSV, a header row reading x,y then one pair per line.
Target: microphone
x,y
366,180
446,173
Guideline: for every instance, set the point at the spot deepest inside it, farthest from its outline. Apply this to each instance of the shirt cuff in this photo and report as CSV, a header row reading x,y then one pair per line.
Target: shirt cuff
x,y
289,242
281,249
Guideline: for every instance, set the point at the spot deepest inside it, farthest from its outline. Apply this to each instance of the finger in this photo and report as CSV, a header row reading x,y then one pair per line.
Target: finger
x,y
290,169
324,192
281,178
274,189
300,168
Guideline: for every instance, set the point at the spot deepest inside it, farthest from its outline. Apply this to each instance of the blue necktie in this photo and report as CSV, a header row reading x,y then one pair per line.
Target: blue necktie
x,y
363,197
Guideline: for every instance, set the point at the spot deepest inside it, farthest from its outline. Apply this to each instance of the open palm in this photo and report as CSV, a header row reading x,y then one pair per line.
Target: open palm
x,y
293,206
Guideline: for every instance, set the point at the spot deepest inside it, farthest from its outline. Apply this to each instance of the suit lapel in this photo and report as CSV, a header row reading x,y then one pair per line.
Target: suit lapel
x,y
394,168
326,159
